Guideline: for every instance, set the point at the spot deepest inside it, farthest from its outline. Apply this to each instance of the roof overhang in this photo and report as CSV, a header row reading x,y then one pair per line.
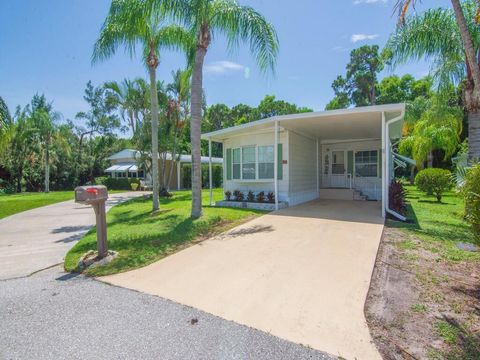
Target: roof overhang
x,y
344,124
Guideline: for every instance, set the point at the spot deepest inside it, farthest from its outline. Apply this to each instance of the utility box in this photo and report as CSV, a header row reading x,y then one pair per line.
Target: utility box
x,y
96,196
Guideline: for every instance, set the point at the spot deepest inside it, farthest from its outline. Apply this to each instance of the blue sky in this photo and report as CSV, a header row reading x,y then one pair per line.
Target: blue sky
x,y
45,47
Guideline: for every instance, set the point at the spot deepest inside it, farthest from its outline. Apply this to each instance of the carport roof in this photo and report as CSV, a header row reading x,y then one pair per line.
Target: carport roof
x,y
354,123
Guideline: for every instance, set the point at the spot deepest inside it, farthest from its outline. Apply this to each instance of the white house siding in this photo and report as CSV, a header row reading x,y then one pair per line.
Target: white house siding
x,y
370,186
259,139
302,169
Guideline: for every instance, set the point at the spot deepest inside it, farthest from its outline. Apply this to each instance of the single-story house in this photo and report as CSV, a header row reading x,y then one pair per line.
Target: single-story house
x,y
339,154
126,164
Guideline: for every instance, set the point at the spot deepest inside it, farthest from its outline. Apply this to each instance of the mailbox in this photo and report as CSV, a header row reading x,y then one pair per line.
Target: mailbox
x,y
90,194
96,196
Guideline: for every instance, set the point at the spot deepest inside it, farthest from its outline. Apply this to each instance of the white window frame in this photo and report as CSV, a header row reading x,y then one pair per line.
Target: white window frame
x,y
257,179
371,163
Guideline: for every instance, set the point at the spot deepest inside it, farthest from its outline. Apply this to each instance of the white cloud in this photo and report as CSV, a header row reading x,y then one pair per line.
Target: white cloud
x,y
358,2
362,37
226,67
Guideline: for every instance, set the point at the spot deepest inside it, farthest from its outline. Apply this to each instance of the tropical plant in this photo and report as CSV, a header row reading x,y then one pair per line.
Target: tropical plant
x,y
437,127
133,23
5,118
396,197
238,195
238,23
261,197
271,197
470,192
130,97
228,195
451,38
250,196
434,181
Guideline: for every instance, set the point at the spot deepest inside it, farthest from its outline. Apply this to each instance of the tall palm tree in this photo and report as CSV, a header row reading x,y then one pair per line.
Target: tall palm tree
x,y
133,23
452,39
206,18
43,119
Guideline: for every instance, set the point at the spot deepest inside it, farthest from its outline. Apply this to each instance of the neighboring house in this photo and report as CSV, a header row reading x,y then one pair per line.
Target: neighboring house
x,y
339,154
126,163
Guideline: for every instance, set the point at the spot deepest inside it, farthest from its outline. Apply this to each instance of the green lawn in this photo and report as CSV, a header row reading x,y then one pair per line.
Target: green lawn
x,y
142,237
15,203
440,225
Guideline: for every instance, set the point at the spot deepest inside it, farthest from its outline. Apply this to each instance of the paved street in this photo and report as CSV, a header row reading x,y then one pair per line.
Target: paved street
x,y
54,315
36,239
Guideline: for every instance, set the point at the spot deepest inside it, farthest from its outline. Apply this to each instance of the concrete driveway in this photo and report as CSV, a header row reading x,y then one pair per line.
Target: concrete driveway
x,y
301,274
36,239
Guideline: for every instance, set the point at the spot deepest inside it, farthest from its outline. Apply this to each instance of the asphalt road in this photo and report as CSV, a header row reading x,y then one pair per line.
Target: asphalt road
x,y
36,239
54,315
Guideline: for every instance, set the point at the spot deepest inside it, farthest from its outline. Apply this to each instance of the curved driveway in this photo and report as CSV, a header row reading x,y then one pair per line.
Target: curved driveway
x,y
36,239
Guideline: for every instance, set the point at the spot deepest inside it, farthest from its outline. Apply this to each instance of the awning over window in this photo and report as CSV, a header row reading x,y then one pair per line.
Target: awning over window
x,y
122,167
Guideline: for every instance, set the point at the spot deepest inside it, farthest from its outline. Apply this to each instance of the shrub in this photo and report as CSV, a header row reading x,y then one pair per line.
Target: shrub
x,y
7,187
134,186
117,183
261,197
238,195
434,181
228,195
271,197
250,196
470,192
396,197
217,172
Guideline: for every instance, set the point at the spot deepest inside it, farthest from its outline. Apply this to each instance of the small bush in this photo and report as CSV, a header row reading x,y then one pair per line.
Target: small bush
x,y
470,191
250,196
238,195
117,183
134,186
228,195
434,181
7,187
396,197
271,197
261,197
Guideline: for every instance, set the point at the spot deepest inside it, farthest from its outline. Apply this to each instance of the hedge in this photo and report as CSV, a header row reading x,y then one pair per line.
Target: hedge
x,y
217,176
116,183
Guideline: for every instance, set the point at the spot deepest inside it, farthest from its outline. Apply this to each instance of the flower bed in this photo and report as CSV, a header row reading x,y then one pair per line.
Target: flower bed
x,y
250,200
251,205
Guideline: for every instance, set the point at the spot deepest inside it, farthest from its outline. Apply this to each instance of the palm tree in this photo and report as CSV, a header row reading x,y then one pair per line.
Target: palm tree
x,y
43,119
124,95
178,110
5,118
133,23
451,38
238,23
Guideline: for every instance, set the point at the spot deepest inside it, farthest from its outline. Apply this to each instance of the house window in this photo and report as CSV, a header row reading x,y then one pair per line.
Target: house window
x,y
236,164
266,162
338,162
366,163
253,162
248,162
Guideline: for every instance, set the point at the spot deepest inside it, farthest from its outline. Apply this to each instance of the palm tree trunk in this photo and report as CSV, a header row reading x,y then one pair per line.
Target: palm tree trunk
x,y
467,43
195,131
473,134
154,108
47,169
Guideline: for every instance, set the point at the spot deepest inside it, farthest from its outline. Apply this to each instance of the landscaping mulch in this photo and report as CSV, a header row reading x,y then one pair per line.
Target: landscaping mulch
x,y
420,305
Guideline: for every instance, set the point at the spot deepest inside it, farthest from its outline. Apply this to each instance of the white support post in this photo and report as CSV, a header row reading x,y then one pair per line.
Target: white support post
x,y
179,177
210,170
318,175
384,187
275,169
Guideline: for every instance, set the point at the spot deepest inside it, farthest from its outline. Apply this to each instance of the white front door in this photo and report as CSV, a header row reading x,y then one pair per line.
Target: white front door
x,y
338,169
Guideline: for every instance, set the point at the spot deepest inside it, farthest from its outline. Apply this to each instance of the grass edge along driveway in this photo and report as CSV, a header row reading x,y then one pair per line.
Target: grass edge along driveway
x,y
142,237
15,203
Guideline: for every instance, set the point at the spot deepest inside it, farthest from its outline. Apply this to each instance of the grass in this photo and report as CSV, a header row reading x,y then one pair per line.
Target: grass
x,y
447,331
142,237
11,204
15,203
439,225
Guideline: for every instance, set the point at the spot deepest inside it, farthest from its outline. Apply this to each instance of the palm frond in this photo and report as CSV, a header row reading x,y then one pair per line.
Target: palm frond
x,y
243,23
